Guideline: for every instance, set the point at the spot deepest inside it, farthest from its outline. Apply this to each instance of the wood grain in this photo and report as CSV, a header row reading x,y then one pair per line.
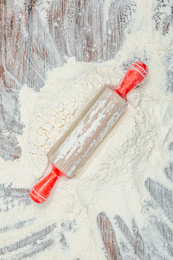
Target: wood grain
x,y
134,242
162,195
84,138
10,197
163,18
29,240
28,49
135,239
108,237
88,36
40,247
24,49
167,234
18,225
169,171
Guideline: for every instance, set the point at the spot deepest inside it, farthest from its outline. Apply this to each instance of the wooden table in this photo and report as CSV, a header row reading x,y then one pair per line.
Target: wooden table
x,y
28,49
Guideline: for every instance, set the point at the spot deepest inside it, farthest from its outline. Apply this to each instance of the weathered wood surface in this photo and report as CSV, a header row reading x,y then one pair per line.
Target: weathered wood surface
x,y
108,236
28,49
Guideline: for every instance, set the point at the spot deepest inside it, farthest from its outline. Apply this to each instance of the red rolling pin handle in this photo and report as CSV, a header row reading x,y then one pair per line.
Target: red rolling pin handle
x,y
41,191
134,76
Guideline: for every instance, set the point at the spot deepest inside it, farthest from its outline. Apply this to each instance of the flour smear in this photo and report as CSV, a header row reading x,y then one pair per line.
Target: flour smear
x,y
113,178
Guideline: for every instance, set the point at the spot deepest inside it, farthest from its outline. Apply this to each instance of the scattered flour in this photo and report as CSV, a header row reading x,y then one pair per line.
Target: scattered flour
x,y
112,179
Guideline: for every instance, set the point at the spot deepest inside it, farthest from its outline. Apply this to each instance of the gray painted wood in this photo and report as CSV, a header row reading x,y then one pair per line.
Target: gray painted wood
x,y
27,51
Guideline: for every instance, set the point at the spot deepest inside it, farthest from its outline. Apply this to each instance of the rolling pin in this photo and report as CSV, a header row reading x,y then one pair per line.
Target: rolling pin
x,y
72,149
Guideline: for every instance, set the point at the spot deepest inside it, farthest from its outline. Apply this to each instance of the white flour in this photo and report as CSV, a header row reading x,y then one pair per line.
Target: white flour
x,y
112,179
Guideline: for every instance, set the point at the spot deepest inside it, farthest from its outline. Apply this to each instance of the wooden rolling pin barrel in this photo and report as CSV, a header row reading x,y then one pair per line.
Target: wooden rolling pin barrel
x,y
87,131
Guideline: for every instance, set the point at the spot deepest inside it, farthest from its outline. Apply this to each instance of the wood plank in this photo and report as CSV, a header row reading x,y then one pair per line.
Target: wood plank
x,y
11,196
162,17
29,240
18,225
29,49
162,195
26,53
89,36
134,244
108,237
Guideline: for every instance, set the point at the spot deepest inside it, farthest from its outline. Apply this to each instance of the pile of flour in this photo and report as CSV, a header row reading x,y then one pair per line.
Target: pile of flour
x,y
112,179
